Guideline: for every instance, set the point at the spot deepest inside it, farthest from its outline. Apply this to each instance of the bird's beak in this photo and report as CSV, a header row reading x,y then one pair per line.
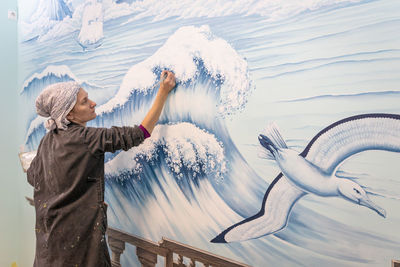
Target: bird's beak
x,y
368,203
262,139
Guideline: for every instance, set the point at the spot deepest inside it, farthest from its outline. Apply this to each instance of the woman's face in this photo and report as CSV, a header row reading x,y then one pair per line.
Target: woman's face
x,y
84,109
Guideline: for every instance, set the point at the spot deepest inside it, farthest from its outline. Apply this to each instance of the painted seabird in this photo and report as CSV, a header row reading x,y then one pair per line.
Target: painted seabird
x,y
314,171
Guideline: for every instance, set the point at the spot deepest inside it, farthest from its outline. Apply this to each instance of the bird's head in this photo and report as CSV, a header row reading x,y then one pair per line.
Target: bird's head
x,y
356,194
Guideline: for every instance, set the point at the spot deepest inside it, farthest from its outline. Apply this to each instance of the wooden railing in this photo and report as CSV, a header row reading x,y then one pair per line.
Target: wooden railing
x,y
175,254
147,252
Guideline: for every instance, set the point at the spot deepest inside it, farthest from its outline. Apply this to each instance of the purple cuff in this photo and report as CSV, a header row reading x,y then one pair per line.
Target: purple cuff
x,y
145,132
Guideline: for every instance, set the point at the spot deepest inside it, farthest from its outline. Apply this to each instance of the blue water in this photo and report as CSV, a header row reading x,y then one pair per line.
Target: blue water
x,y
201,171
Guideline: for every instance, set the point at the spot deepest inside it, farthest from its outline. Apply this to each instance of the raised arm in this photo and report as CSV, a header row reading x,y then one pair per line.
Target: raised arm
x,y
166,85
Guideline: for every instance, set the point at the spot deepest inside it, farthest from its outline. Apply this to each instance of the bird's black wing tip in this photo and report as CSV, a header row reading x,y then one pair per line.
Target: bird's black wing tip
x,y
219,239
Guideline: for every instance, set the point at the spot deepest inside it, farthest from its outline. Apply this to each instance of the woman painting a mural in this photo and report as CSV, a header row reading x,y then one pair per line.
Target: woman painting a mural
x,y
68,174
322,70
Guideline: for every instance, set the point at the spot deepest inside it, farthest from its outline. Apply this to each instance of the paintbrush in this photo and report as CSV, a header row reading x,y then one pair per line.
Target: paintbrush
x,y
163,77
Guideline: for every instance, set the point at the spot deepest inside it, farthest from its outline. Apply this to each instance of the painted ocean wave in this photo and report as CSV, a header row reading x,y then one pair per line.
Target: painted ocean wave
x,y
51,74
186,149
191,52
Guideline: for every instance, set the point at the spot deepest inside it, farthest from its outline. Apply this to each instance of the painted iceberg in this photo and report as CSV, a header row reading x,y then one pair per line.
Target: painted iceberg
x,y
91,33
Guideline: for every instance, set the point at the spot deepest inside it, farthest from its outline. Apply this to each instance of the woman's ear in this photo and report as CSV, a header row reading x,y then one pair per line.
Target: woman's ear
x,y
70,116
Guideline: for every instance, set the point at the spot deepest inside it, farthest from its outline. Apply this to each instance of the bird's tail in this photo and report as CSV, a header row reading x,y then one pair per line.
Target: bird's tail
x,y
272,140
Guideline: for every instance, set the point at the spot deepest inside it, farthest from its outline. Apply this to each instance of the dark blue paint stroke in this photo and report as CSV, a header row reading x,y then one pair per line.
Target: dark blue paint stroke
x,y
221,237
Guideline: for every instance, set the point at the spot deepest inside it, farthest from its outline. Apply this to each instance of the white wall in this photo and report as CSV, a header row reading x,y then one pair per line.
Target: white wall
x,y
17,221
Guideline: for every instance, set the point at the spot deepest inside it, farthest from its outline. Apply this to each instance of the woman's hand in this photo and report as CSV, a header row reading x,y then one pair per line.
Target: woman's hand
x,y
168,83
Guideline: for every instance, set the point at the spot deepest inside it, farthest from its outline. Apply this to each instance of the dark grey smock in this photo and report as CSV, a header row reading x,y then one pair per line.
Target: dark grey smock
x,y
68,179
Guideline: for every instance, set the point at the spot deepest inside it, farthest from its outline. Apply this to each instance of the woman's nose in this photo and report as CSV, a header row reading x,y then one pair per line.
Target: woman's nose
x,y
93,104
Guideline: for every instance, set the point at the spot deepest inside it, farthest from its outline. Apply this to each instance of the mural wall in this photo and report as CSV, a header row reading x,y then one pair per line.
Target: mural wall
x,y
280,142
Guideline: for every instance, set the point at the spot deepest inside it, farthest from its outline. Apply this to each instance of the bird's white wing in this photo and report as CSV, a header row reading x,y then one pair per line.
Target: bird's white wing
x,y
352,135
277,204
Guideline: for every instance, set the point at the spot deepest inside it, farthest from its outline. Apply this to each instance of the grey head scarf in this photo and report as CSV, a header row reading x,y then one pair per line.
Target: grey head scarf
x,y
56,101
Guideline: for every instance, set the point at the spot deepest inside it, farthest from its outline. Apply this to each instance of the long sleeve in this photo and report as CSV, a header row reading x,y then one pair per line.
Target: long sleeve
x,y
101,140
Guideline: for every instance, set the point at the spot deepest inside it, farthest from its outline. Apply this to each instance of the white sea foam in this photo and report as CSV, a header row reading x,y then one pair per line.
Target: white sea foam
x,y
179,53
184,146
